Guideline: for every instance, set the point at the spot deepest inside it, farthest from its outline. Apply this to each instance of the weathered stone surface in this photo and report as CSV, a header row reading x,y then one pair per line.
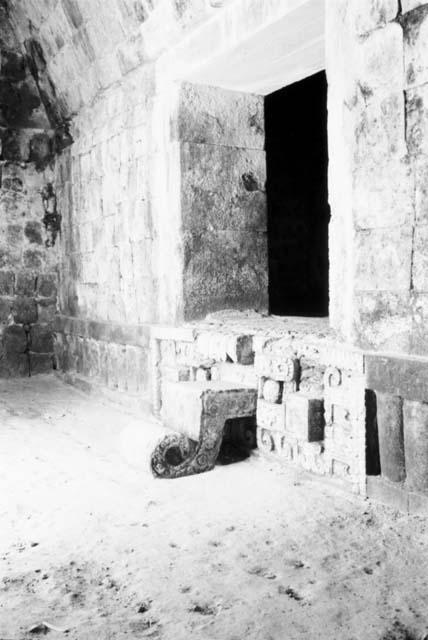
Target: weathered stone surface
x,y
14,339
416,444
270,416
41,339
305,417
383,321
24,310
33,232
223,188
398,376
383,193
417,118
379,62
224,269
379,129
47,285
46,310
14,364
7,281
5,310
391,438
279,366
409,5
272,391
213,116
25,284
415,27
383,259
418,504
372,14
41,363
392,494
420,259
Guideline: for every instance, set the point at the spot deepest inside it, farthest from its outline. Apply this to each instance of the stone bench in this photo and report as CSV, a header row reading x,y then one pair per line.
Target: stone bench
x,y
196,413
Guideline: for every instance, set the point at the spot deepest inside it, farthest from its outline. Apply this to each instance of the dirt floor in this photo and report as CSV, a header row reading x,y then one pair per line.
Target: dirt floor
x,y
91,544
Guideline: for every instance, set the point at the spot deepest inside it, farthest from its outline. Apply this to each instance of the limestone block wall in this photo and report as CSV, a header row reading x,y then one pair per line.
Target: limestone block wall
x,y
29,219
377,72
223,200
107,290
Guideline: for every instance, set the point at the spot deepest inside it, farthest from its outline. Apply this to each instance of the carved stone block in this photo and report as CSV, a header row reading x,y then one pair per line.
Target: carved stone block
x,y
265,441
305,417
270,416
272,391
197,413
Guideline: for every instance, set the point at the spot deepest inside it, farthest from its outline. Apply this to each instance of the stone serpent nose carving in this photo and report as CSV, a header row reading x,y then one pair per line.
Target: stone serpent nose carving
x,y
209,405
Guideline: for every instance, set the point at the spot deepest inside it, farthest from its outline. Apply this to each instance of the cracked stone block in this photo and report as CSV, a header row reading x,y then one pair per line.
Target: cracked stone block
x,y
416,444
270,416
391,438
305,417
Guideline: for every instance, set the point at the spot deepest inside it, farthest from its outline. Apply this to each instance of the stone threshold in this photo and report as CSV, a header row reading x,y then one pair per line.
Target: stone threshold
x,y
397,496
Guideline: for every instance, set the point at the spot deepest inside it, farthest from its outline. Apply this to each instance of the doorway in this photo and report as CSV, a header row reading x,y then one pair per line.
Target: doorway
x,y
297,195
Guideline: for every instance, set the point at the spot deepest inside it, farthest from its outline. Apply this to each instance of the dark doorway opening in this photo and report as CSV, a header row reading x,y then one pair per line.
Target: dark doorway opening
x,y
298,210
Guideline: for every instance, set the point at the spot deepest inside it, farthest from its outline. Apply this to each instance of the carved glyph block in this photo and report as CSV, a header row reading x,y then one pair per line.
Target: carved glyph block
x,y
270,416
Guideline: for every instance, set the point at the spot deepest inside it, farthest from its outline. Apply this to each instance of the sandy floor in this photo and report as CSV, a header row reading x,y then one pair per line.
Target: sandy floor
x,y
87,540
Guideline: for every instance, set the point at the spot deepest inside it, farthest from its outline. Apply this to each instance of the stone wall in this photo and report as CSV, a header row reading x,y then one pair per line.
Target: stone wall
x,y
107,290
377,74
29,220
223,200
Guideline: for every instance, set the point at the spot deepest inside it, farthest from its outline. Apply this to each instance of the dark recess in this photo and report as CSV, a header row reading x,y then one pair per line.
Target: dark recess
x,y
372,435
298,210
